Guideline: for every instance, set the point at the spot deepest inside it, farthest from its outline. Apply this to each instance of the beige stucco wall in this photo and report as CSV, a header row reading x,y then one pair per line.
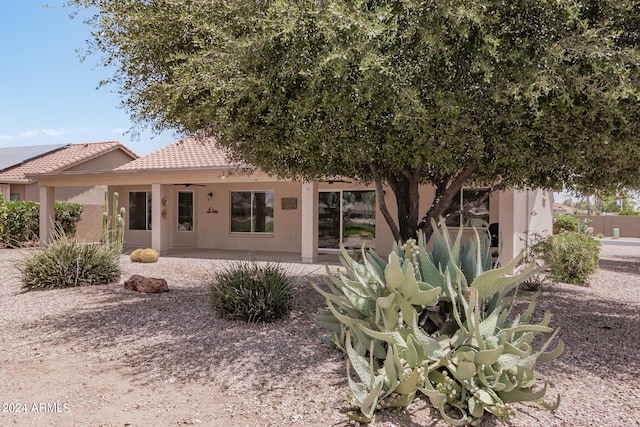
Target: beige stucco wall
x,y
520,214
628,226
212,230
104,162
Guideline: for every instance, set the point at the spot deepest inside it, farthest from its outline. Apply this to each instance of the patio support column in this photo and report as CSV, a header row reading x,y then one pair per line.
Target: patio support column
x,y
47,214
514,222
159,226
309,232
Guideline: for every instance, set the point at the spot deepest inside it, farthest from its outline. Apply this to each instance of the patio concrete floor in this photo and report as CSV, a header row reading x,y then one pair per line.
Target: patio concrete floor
x,y
286,257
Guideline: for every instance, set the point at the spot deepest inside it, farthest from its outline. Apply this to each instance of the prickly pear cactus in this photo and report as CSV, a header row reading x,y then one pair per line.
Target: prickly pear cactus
x,y
135,255
148,255
436,323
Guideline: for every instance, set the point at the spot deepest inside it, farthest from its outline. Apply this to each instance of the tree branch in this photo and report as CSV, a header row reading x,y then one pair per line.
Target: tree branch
x,y
383,204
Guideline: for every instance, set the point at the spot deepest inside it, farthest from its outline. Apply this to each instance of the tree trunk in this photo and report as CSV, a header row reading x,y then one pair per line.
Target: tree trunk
x,y
405,189
446,190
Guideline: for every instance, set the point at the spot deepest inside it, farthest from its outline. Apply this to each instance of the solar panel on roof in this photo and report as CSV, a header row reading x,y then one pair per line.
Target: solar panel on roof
x,y
13,156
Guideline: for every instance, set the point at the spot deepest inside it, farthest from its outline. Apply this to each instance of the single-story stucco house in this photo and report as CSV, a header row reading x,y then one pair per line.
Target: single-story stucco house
x,y
188,195
18,164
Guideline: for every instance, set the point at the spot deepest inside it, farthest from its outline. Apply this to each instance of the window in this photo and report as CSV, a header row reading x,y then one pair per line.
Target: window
x,y
252,211
14,197
474,212
140,210
347,217
185,211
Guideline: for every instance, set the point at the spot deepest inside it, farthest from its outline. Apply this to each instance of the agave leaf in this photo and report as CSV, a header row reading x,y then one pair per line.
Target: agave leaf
x,y
360,364
409,384
390,318
454,306
359,390
368,406
426,298
390,337
393,273
498,280
488,357
488,326
342,301
375,269
505,379
375,259
550,355
390,370
386,302
411,353
511,349
464,371
412,340
469,261
525,328
401,401
409,286
522,395
485,397
548,406
507,361
408,312
430,346
476,410
430,273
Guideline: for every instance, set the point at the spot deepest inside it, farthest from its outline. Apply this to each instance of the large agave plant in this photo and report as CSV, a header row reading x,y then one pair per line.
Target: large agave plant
x,y
439,322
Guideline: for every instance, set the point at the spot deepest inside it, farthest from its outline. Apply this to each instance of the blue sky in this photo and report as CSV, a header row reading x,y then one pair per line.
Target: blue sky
x,y
47,95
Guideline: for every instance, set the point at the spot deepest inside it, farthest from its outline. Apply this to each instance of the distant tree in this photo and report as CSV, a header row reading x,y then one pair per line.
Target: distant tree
x,y
444,92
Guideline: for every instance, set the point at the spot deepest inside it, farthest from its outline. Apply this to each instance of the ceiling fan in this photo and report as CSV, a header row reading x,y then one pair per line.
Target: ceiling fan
x,y
191,185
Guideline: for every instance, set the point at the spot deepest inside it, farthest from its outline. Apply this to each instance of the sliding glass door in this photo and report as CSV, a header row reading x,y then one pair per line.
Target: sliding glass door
x,y
347,217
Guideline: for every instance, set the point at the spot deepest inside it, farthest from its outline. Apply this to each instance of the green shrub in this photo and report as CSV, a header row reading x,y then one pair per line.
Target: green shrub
x,y
67,216
251,292
441,323
20,221
537,251
565,223
67,263
22,224
572,257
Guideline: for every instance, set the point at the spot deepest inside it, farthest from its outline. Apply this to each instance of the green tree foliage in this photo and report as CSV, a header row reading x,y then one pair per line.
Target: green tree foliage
x,y
444,92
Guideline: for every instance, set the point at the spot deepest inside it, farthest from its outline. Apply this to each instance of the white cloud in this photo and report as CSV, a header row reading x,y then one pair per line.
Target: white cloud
x,y
35,133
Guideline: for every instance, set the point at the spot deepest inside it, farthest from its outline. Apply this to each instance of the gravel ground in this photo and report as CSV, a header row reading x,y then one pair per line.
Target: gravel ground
x,y
104,355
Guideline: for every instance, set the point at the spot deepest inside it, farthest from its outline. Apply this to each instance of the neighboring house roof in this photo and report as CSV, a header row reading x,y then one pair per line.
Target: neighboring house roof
x,y
188,153
12,156
60,159
559,208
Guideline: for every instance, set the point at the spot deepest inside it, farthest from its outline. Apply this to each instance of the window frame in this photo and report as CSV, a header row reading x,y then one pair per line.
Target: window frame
x,y
343,213
178,207
461,217
269,195
148,209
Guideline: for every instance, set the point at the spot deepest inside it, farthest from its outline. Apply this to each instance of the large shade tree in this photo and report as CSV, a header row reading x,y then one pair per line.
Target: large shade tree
x,y
452,93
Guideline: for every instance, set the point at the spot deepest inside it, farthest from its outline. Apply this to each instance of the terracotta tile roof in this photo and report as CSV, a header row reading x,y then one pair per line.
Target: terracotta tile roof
x,y
61,159
188,153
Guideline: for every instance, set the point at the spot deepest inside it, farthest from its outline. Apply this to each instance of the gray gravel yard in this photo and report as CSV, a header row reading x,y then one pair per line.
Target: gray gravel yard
x,y
104,355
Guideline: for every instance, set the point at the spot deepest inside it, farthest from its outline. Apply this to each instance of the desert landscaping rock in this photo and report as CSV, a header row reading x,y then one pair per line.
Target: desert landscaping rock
x,y
102,355
146,285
